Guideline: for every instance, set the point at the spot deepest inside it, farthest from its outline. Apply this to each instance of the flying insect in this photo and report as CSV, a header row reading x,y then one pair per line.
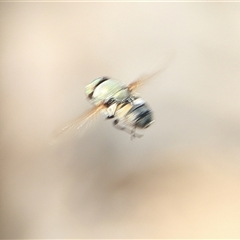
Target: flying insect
x,y
118,102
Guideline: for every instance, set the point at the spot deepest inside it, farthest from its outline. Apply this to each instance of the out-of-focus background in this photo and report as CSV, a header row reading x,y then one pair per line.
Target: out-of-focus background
x,y
181,180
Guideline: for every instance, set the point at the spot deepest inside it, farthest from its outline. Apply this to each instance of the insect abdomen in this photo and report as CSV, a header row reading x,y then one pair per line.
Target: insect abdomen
x,y
136,113
143,116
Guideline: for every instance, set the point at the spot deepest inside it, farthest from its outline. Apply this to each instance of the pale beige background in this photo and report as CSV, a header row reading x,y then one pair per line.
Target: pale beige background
x,y
181,180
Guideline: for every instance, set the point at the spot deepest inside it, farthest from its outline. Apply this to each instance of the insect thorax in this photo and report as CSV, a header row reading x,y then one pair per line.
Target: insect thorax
x,y
103,90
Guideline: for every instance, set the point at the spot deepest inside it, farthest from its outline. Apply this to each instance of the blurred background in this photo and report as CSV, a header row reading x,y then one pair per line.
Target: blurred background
x,y
181,180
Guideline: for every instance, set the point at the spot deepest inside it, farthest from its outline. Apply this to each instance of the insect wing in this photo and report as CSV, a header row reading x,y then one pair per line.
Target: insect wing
x,y
144,79
79,123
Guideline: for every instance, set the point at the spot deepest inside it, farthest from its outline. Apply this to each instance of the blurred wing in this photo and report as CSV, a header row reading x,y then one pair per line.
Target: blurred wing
x,y
144,79
79,123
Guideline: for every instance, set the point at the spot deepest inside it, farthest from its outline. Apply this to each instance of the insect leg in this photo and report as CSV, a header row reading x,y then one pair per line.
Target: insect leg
x,y
134,134
132,131
111,111
109,117
117,125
